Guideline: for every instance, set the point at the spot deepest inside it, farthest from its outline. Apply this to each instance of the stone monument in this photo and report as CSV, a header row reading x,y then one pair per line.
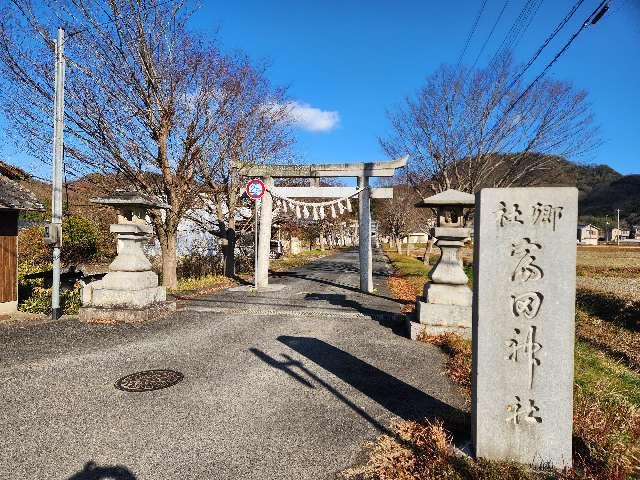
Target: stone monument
x,y
446,302
130,291
523,324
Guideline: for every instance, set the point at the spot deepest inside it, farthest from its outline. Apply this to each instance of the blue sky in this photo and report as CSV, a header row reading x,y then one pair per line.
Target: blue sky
x,y
352,60
347,62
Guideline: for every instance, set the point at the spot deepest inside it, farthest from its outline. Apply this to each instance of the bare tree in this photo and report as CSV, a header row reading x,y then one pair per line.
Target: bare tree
x,y
470,129
251,126
140,95
398,216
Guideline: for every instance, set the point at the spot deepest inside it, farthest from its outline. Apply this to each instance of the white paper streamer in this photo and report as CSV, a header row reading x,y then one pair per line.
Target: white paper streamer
x,y
301,209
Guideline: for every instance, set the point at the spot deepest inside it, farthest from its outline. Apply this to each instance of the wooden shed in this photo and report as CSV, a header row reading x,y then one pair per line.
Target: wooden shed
x,y
13,198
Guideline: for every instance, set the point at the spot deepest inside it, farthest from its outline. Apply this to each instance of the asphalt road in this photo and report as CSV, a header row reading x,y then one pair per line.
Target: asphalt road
x,y
279,385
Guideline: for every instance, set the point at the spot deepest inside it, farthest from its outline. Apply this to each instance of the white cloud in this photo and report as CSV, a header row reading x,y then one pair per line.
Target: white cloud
x,y
311,118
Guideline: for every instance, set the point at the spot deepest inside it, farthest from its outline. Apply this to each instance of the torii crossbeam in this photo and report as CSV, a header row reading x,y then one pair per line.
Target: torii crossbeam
x,y
362,171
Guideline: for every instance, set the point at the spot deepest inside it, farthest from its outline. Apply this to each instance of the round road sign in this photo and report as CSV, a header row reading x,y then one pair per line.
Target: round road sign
x,y
256,189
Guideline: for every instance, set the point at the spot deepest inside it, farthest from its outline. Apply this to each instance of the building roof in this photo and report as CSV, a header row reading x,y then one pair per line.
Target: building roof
x,y
12,172
12,195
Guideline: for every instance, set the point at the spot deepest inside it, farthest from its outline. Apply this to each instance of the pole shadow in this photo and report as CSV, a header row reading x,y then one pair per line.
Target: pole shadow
x,y
392,320
396,396
91,471
323,281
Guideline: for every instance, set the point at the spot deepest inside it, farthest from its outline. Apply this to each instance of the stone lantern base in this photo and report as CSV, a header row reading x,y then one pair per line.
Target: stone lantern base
x,y
130,291
438,318
446,302
126,314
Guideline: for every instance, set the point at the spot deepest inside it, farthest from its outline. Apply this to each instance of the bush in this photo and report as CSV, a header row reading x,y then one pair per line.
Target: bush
x,y
40,301
79,239
33,252
198,265
80,242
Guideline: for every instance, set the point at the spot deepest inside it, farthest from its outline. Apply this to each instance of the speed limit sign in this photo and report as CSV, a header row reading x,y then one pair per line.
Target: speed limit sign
x,y
256,189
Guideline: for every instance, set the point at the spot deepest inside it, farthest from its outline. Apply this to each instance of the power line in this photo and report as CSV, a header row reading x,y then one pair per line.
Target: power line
x,y
546,42
590,20
521,32
471,32
490,33
514,31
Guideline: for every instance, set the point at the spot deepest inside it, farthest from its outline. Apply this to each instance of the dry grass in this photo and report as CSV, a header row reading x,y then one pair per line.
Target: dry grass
x,y
608,300
608,261
408,280
196,286
606,417
458,366
424,451
292,261
619,342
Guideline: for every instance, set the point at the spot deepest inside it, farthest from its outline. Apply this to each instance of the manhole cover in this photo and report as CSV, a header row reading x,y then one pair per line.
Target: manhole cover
x,y
149,380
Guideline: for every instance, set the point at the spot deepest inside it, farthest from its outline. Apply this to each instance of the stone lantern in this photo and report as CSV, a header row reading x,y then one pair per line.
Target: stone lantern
x,y
446,302
130,291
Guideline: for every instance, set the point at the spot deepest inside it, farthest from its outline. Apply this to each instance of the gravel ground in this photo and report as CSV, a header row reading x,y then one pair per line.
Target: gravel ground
x,y
628,288
282,385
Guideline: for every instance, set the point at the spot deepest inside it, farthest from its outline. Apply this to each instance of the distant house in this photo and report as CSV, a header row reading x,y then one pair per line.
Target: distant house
x,y
588,235
13,198
416,237
634,232
614,234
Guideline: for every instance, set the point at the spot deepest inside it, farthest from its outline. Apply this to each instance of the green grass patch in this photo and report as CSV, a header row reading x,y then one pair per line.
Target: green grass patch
x,y
408,266
593,365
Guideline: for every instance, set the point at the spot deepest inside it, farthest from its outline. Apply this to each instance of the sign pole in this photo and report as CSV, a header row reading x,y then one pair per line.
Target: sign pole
x,y
255,245
255,190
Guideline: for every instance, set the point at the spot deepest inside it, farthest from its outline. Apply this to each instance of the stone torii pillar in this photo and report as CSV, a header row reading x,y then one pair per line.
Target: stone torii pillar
x,y
364,225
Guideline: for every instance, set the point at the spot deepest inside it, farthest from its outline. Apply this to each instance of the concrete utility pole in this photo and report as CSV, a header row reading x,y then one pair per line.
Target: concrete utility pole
x,y
56,190
618,236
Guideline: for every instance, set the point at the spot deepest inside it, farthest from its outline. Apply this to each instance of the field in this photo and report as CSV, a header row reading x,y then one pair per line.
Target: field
x,y
607,377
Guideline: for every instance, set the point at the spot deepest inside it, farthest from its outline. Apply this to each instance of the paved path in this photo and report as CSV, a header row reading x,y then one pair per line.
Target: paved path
x,y
284,385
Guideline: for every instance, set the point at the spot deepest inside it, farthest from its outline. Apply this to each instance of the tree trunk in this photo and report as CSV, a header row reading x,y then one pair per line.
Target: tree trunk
x,y
229,252
427,252
398,245
169,259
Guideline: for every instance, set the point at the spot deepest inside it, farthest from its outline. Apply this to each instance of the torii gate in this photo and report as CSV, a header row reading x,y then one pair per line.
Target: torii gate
x,y
362,171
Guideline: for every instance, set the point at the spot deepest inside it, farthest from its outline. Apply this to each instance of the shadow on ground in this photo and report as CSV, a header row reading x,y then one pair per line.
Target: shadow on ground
x,y
395,321
396,396
324,281
91,471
